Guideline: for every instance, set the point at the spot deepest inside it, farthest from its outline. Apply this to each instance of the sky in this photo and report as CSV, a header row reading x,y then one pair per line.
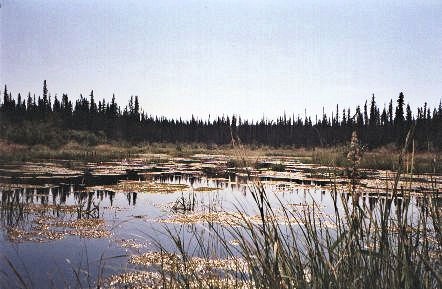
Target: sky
x,y
252,58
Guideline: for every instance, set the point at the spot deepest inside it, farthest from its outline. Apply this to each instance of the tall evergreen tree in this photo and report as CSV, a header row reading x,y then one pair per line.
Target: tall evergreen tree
x,y
399,116
373,113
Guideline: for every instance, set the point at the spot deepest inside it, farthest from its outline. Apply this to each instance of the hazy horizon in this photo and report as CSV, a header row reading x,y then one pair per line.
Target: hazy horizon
x,y
225,57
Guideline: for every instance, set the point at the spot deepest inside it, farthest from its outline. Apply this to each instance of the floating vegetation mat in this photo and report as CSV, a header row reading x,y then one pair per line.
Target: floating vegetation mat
x,y
44,168
385,188
143,187
115,208
37,208
156,280
235,219
205,189
136,280
411,185
131,244
48,228
225,218
9,186
40,234
192,272
175,262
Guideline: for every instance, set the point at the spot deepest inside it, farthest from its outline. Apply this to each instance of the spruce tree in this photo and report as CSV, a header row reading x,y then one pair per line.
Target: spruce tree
x,y
399,116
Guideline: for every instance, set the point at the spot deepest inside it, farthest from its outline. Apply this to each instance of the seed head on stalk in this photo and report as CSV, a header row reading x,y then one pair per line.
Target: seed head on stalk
x,y
354,156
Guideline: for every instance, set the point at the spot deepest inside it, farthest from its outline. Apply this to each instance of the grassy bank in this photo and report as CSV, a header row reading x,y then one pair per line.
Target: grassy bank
x,y
381,159
384,159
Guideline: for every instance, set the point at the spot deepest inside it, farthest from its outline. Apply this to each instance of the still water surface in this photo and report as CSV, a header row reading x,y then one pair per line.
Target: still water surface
x,y
130,222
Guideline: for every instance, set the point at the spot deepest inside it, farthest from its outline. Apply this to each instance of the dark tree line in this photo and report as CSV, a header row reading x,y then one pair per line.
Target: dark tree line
x,y
375,126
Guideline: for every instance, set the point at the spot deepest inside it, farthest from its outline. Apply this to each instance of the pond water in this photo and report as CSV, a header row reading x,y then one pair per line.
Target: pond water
x,y
64,224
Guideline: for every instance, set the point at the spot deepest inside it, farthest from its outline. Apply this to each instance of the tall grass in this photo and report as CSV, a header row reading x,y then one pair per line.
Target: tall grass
x,y
424,162
360,246
357,248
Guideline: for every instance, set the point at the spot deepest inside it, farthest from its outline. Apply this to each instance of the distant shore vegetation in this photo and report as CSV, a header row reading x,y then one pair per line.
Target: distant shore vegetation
x,y
55,121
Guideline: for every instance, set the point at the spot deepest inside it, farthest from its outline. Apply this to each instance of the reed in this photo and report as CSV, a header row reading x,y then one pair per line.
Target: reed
x,y
387,246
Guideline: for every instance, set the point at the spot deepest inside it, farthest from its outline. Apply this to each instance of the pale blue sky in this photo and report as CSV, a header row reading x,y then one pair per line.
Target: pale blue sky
x,y
224,57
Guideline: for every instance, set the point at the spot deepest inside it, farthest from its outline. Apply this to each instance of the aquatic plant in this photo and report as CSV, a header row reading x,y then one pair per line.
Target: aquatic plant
x,y
144,187
367,247
287,245
183,204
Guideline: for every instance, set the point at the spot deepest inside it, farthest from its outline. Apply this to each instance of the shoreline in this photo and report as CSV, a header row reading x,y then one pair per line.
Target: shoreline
x,y
385,158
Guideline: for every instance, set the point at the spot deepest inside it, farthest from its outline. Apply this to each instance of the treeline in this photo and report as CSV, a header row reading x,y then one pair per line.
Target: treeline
x,y
375,126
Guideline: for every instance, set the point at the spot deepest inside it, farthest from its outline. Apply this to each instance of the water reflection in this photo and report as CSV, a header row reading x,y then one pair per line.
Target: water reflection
x,y
14,200
20,206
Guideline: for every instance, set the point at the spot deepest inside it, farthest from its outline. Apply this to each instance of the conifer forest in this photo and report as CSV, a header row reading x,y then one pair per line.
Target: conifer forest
x,y
23,118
